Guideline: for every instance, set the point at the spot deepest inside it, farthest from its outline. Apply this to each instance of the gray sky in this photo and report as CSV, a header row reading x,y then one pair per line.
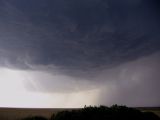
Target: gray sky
x,y
72,53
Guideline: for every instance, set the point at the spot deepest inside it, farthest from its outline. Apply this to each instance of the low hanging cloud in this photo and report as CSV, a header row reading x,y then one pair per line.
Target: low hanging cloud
x,y
134,83
83,35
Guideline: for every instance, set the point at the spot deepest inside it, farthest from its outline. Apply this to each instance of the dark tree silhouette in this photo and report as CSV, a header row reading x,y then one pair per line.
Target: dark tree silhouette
x,y
114,112
35,118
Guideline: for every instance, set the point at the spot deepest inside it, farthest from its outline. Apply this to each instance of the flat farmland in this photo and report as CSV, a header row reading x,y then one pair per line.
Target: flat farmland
x,y
155,110
18,113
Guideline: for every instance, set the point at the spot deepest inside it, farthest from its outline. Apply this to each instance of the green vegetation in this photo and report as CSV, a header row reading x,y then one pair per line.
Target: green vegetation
x,y
114,112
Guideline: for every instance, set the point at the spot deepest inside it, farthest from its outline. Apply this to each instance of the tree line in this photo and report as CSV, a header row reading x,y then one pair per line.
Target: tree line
x,y
114,112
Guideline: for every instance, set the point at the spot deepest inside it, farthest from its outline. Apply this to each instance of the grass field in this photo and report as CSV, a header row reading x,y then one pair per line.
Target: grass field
x,y
155,110
18,113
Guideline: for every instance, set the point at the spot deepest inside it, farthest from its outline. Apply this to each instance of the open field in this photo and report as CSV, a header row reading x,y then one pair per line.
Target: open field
x,y
18,113
155,110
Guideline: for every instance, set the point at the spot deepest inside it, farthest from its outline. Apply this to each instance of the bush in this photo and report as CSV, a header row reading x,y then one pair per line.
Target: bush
x,y
35,118
114,112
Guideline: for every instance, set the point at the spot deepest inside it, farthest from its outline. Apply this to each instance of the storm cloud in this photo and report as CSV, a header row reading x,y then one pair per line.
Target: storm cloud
x,y
78,34
89,44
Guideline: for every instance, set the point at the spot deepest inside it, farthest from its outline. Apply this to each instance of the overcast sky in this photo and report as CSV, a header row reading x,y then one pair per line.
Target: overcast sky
x,y
71,53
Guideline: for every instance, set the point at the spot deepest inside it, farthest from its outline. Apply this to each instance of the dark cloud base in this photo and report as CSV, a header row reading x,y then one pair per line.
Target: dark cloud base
x,y
77,35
